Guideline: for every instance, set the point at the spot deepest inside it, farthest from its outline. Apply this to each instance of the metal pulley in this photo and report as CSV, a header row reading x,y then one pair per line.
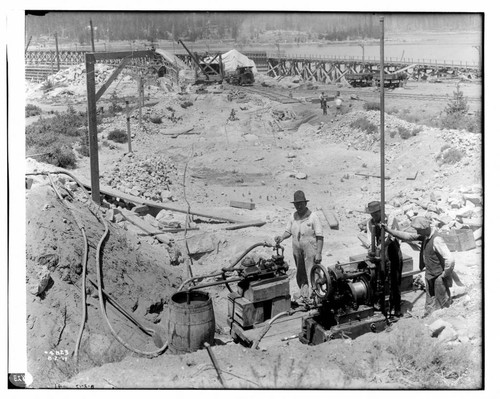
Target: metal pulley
x,y
321,283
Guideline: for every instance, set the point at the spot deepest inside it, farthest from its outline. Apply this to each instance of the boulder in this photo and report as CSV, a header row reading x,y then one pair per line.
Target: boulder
x,y
448,335
437,327
166,195
476,199
44,279
201,244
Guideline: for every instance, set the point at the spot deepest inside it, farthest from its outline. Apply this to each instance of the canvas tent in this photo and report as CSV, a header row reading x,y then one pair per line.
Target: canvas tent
x,y
233,59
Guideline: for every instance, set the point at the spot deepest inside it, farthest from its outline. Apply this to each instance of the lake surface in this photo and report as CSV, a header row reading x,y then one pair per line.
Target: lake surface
x,y
448,47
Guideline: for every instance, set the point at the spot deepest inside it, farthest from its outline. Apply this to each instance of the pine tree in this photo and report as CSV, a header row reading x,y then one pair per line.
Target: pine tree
x,y
457,105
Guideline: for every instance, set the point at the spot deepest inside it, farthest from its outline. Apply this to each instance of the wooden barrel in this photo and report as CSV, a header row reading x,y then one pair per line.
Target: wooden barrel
x,y
190,323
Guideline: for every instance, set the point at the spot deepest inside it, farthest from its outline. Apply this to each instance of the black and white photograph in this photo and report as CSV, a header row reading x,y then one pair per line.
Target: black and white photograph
x,y
236,199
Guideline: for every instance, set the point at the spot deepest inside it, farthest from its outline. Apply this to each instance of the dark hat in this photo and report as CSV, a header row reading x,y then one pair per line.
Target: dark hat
x,y
373,207
299,196
420,223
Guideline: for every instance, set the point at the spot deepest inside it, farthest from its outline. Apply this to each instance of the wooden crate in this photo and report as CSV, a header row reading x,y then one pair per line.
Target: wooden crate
x,y
263,290
247,313
407,262
459,240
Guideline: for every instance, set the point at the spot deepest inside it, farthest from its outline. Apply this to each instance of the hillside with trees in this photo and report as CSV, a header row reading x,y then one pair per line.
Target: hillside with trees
x,y
192,26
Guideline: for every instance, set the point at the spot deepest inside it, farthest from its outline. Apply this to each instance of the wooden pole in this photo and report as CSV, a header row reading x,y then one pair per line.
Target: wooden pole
x,y
128,127
139,84
28,44
92,121
57,52
382,161
92,36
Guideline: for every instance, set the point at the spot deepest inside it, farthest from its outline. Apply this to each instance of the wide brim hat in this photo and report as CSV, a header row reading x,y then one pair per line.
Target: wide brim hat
x,y
299,196
373,206
420,223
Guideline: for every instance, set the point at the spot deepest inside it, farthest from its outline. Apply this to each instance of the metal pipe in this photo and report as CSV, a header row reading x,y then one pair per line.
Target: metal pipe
x,y
196,287
382,160
214,362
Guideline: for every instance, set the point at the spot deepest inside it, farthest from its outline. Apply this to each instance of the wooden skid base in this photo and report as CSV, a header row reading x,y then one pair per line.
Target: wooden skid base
x,y
286,326
314,333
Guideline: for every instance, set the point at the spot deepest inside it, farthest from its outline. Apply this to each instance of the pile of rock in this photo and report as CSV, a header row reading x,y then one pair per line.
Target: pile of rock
x,y
76,75
470,144
149,177
449,210
343,132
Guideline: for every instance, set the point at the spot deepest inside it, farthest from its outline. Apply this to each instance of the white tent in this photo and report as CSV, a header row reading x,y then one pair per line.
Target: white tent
x,y
233,59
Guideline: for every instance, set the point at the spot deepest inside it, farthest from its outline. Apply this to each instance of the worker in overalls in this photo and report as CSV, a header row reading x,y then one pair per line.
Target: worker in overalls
x,y
435,258
393,256
306,231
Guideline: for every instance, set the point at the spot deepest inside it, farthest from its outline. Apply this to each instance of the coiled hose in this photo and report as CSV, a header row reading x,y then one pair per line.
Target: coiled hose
x,y
99,284
101,299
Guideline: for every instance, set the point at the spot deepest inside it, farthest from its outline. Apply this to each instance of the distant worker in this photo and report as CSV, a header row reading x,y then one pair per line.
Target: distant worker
x,y
338,102
393,256
323,100
435,258
307,241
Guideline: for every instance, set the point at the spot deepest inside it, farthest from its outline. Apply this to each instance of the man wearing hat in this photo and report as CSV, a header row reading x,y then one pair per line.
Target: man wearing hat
x,y
394,257
306,231
437,260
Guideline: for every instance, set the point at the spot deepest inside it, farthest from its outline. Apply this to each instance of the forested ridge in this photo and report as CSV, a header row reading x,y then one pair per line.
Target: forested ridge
x,y
240,26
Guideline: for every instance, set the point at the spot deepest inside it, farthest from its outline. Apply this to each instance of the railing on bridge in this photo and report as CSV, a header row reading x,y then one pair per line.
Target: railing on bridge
x,y
40,64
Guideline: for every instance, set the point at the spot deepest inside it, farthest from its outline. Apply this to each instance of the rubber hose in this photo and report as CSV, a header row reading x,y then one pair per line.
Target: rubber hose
x,y
84,265
84,294
84,304
101,300
197,278
255,345
259,244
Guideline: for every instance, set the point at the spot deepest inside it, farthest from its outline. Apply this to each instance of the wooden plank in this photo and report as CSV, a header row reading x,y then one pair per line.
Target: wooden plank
x,y
159,205
242,204
281,328
330,219
110,80
176,132
366,175
137,221
122,54
412,177
256,223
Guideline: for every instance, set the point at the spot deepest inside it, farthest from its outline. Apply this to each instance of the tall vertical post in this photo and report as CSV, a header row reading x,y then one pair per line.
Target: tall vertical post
x,y
92,122
129,136
92,36
382,162
57,53
139,87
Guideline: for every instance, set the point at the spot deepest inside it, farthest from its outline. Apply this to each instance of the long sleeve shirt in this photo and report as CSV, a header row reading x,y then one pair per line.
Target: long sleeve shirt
x,y
438,245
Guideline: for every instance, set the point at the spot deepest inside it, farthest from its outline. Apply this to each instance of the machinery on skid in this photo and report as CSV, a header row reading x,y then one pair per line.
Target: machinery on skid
x,y
243,76
347,295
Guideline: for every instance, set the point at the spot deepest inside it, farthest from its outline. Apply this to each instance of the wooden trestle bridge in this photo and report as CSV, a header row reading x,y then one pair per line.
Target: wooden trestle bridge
x,y
327,70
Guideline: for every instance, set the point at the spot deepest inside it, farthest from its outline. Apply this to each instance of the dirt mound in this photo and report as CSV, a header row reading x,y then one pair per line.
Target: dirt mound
x,y
131,273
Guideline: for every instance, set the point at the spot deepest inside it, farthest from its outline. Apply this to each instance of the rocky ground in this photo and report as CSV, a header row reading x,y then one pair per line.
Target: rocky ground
x,y
201,155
